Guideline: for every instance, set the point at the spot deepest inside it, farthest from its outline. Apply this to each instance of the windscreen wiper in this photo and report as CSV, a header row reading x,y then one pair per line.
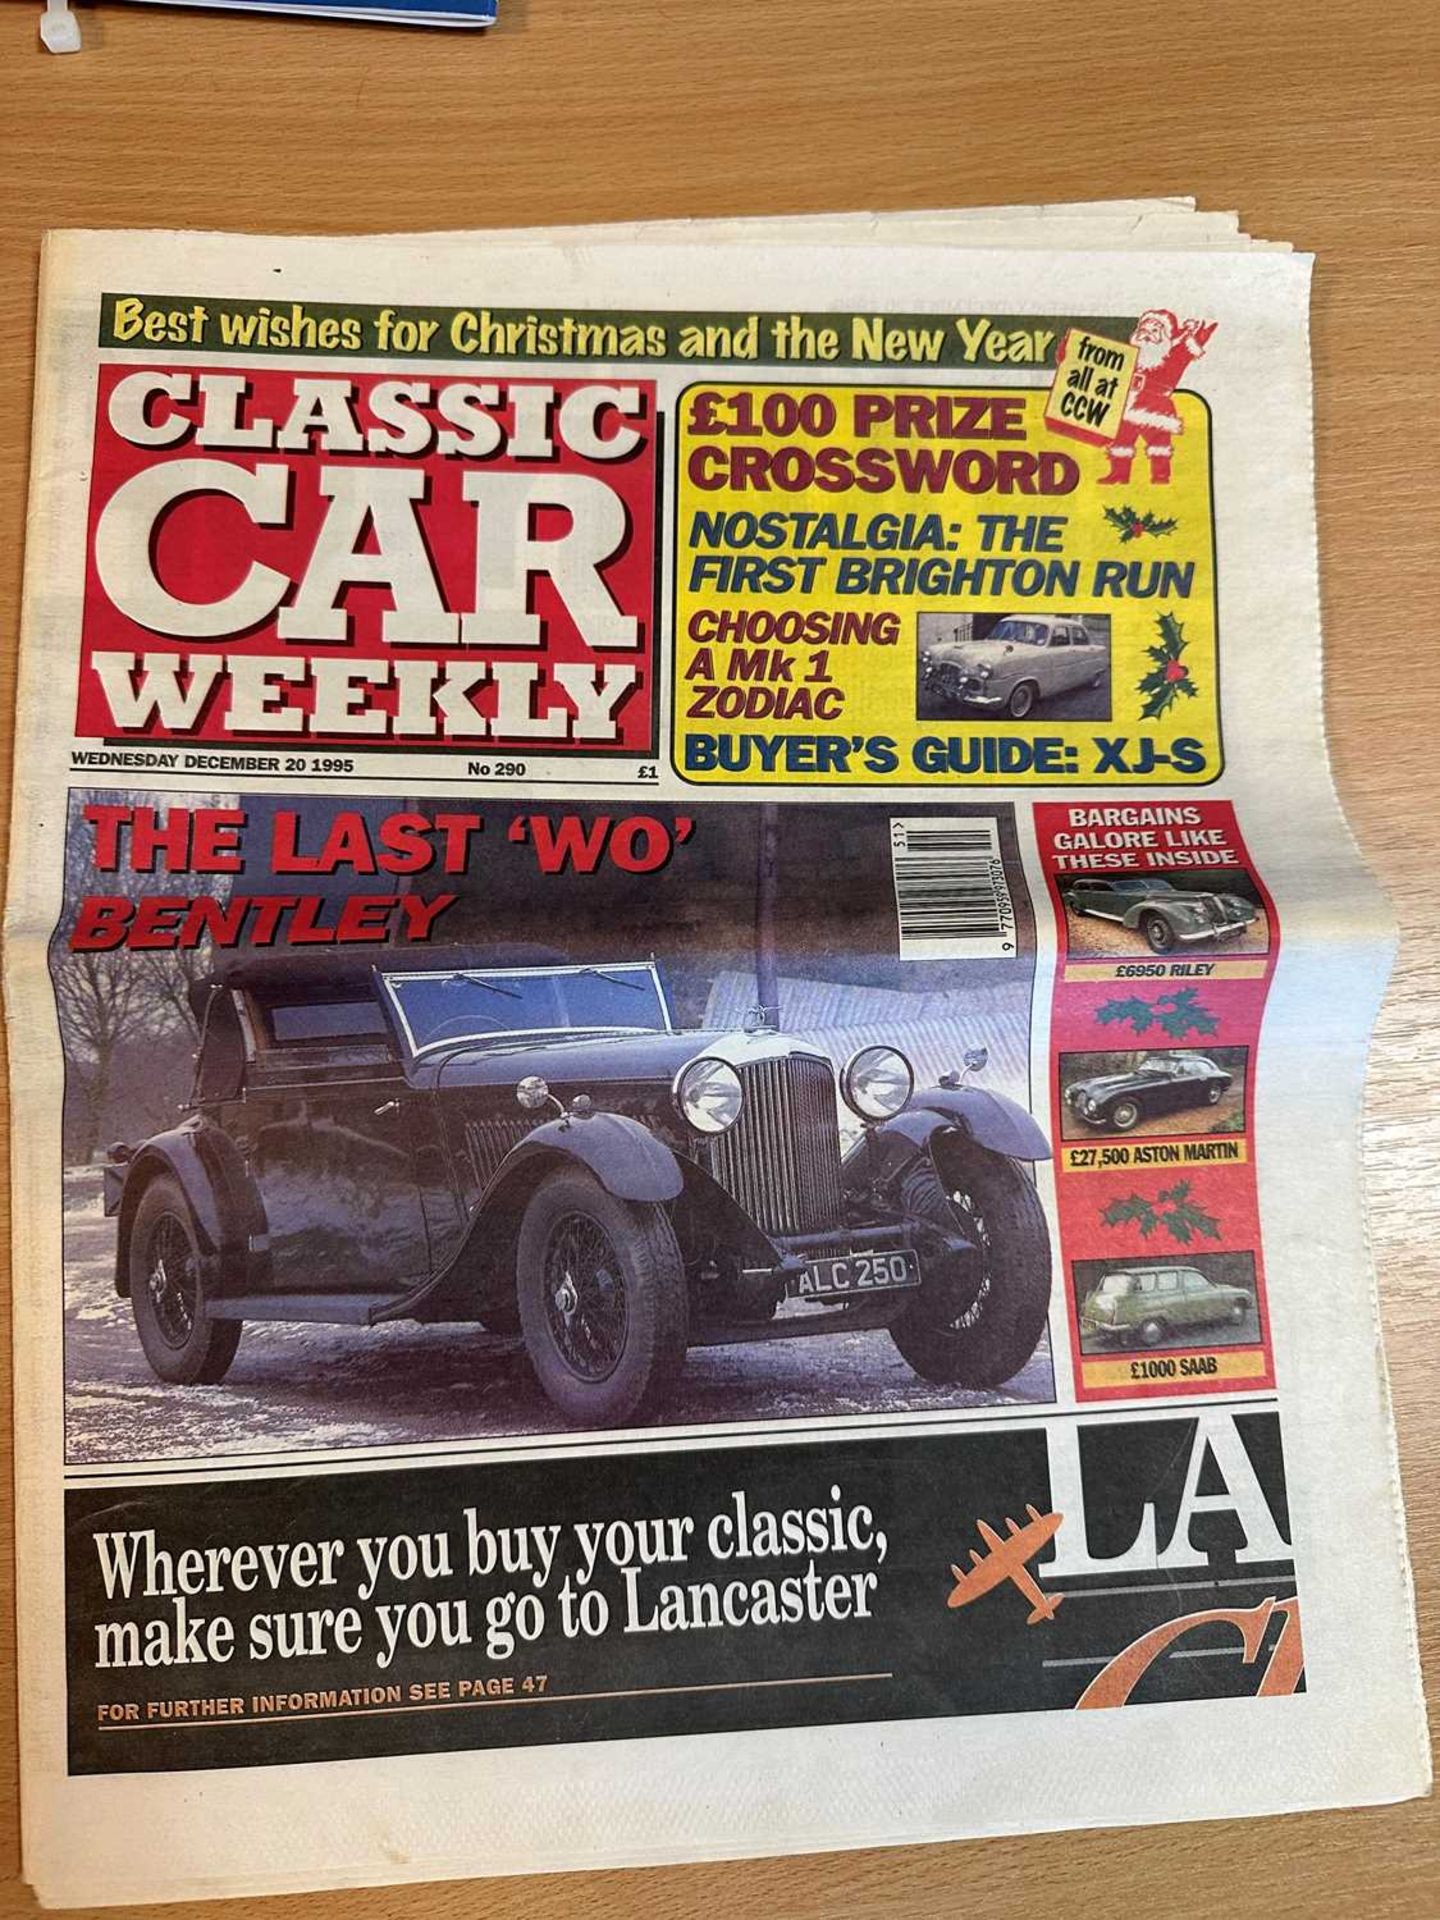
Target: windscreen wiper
x,y
479,980
615,979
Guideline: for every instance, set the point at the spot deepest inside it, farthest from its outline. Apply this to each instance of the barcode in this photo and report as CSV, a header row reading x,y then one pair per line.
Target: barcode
x,y
951,897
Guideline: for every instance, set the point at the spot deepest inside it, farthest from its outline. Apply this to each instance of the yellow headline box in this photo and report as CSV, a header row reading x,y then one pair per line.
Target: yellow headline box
x,y
910,583
1226,1366
1113,1155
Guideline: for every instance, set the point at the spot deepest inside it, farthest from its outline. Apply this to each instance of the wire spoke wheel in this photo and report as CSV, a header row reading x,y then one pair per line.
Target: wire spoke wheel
x,y
600,1291
968,1294
586,1304
172,1280
981,1305
183,1342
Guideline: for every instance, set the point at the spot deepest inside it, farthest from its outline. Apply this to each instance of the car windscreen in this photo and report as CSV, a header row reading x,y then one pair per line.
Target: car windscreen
x,y
487,1006
1024,633
1115,1286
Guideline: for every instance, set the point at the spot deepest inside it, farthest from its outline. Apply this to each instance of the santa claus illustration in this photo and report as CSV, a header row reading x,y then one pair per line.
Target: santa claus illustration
x,y
1151,419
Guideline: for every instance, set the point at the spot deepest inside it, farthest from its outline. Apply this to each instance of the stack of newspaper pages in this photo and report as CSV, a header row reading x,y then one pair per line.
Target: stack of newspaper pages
x,y
681,933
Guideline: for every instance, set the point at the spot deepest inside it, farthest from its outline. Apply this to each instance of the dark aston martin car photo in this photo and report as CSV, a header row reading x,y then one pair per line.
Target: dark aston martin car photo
x,y
1157,1083
531,1144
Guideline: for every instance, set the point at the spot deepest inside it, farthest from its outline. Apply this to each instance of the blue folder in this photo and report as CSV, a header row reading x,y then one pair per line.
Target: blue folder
x,y
419,13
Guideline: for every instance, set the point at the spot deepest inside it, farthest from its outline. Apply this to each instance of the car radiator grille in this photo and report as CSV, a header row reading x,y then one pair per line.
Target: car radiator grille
x,y
781,1159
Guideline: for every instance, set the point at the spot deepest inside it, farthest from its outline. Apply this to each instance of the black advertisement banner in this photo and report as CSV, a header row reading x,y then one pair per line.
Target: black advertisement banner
x,y
1018,1568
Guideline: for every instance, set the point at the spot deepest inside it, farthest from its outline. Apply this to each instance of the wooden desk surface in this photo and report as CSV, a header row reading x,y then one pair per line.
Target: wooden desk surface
x,y
1318,122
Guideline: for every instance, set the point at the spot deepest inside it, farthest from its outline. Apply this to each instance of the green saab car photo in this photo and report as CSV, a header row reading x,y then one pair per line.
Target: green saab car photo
x,y
1150,1306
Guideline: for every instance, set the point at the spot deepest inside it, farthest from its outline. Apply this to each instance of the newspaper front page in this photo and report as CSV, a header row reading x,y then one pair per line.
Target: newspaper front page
x,y
688,1012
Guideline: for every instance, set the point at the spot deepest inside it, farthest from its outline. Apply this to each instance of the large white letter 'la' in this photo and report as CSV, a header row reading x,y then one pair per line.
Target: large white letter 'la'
x,y
1241,1495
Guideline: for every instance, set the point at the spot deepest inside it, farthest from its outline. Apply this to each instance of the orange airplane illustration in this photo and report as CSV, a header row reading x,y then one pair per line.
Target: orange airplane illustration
x,y
1006,1560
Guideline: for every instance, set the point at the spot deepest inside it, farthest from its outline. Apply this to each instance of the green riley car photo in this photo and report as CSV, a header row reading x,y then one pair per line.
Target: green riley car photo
x,y
1151,1306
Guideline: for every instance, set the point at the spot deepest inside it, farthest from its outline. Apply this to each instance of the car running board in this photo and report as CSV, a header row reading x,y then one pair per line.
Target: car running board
x,y
338,1308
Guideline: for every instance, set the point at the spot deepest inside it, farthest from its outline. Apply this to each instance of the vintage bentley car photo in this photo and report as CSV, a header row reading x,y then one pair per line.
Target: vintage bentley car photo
x,y
1023,660
1156,1083
1166,916
530,1144
1150,1306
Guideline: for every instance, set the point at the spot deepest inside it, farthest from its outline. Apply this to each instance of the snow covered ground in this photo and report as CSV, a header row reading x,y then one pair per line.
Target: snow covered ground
x,y
307,1386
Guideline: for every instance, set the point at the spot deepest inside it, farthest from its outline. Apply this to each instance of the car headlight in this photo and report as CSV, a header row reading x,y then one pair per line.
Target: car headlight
x,y
709,1094
877,1082
983,673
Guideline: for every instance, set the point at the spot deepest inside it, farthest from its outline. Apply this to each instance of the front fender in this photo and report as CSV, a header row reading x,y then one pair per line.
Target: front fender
x,y
627,1160
624,1156
994,1123
990,1119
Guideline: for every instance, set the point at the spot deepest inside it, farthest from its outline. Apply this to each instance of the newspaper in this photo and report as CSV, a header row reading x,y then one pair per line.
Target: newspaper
x,y
677,941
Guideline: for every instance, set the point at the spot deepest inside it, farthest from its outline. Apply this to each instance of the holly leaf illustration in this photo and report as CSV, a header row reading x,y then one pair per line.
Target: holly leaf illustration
x,y
1182,1219
1131,525
1160,702
1172,636
1177,1014
1172,1208
1187,1220
1134,1209
1180,1013
1169,678
1135,1013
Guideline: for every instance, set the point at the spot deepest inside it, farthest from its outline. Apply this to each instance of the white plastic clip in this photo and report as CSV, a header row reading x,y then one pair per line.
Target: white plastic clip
x,y
59,29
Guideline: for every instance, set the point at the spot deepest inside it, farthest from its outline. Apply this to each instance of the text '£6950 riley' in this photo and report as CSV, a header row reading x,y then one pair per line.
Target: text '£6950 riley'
x,y
531,1144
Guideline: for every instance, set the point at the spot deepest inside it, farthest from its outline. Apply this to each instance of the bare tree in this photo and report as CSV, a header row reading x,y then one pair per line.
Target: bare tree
x,y
171,974
104,1000
108,999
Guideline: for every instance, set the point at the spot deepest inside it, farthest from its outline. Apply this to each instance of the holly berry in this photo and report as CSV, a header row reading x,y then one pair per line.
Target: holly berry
x,y
1177,671
1137,527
